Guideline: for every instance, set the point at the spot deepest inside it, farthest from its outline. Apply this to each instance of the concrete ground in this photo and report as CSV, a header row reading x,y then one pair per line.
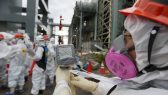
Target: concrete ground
x,y
49,90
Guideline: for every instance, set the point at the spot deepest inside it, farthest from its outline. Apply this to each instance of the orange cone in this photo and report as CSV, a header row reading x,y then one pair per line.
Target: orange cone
x,y
102,70
89,67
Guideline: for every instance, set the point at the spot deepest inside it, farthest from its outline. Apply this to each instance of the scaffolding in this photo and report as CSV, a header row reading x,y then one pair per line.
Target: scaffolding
x,y
110,22
104,28
104,23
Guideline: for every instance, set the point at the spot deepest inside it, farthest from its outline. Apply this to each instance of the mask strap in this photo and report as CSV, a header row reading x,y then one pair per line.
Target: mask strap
x,y
152,38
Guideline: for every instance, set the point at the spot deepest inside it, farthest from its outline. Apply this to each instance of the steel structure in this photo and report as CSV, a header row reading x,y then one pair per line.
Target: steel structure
x,y
32,18
110,22
104,22
51,25
82,28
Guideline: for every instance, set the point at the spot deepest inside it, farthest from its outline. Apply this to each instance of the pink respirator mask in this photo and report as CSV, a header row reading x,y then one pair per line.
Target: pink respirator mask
x,y
119,63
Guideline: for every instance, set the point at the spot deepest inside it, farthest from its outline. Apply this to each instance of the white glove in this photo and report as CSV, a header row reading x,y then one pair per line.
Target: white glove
x,y
62,74
83,83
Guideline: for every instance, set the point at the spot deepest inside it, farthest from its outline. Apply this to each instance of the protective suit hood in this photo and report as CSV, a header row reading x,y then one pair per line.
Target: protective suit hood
x,y
140,29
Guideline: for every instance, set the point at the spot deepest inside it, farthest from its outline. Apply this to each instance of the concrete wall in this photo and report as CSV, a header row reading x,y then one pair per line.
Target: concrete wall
x,y
8,8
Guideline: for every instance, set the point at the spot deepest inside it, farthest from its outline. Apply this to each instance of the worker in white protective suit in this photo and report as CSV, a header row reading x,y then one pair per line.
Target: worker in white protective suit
x,y
147,23
51,66
5,53
2,62
17,67
38,76
30,52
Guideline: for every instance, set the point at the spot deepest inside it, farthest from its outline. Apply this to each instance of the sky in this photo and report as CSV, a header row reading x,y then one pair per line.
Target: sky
x,y
62,7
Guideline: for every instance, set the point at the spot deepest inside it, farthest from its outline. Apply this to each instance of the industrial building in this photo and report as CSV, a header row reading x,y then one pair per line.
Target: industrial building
x,y
32,18
82,28
97,22
93,22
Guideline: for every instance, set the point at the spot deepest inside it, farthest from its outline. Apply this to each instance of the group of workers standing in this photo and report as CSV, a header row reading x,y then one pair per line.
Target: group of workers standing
x,y
19,53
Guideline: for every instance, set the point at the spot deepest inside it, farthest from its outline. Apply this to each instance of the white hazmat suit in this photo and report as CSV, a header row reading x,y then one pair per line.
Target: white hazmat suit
x,y
3,61
38,76
6,52
17,66
50,69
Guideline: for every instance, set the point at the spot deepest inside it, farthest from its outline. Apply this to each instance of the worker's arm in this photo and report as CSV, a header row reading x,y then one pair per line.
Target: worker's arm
x,y
38,54
51,50
62,87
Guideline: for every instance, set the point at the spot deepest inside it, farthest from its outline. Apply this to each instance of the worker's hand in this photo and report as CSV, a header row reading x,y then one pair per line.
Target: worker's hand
x,y
83,83
62,74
